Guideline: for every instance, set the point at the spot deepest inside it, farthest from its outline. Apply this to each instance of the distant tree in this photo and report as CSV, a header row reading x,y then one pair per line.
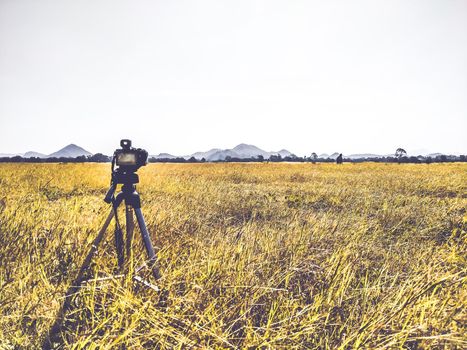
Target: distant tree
x,y
275,158
260,158
313,157
339,159
192,160
203,160
17,159
79,159
99,158
400,153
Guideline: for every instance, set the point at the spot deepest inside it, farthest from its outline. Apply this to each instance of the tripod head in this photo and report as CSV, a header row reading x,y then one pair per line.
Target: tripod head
x,y
125,163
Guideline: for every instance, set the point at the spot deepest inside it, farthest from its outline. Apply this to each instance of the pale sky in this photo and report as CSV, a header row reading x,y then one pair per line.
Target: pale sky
x,y
185,76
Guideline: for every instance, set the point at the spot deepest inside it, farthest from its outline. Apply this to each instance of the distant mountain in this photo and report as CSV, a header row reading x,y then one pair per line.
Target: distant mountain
x,y
363,156
9,155
241,151
70,151
205,155
163,156
284,153
327,156
32,154
222,155
248,151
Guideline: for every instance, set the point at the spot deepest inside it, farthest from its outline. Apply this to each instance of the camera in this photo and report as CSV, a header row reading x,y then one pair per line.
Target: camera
x,y
125,162
129,159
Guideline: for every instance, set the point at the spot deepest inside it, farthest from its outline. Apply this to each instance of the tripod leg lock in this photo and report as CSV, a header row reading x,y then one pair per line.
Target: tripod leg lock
x,y
110,193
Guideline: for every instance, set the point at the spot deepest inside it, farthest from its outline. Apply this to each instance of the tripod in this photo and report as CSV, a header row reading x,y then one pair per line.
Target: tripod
x,y
130,196
132,203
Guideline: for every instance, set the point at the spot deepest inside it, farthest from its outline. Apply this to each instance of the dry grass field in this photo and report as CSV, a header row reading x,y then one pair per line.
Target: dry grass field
x,y
252,256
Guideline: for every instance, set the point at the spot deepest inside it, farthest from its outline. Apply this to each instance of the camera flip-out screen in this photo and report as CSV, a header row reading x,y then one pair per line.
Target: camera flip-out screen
x,y
126,158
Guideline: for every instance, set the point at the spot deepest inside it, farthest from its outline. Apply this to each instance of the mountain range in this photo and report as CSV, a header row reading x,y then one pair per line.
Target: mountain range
x,y
70,151
241,151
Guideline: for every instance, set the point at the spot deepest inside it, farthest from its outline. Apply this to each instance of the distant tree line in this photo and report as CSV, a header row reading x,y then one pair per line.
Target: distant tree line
x,y
412,159
95,158
399,157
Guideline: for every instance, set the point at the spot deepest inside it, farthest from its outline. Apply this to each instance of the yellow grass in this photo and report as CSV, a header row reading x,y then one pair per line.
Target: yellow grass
x,y
251,255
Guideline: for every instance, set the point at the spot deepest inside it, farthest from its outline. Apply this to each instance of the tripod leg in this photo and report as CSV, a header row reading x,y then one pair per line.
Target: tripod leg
x,y
55,329
119,241
130,225
147,243
92,251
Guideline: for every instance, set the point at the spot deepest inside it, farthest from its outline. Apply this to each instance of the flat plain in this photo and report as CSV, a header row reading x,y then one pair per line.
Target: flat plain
x,y
262,255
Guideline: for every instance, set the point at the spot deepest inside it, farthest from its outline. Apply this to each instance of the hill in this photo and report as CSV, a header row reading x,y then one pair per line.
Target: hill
x,y
205,155
32,154
363,156
222,155
163,156
70,151
250,151
241,151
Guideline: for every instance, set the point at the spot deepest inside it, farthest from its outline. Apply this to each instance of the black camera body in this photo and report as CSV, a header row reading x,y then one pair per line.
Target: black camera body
x,y
130,159
125,162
